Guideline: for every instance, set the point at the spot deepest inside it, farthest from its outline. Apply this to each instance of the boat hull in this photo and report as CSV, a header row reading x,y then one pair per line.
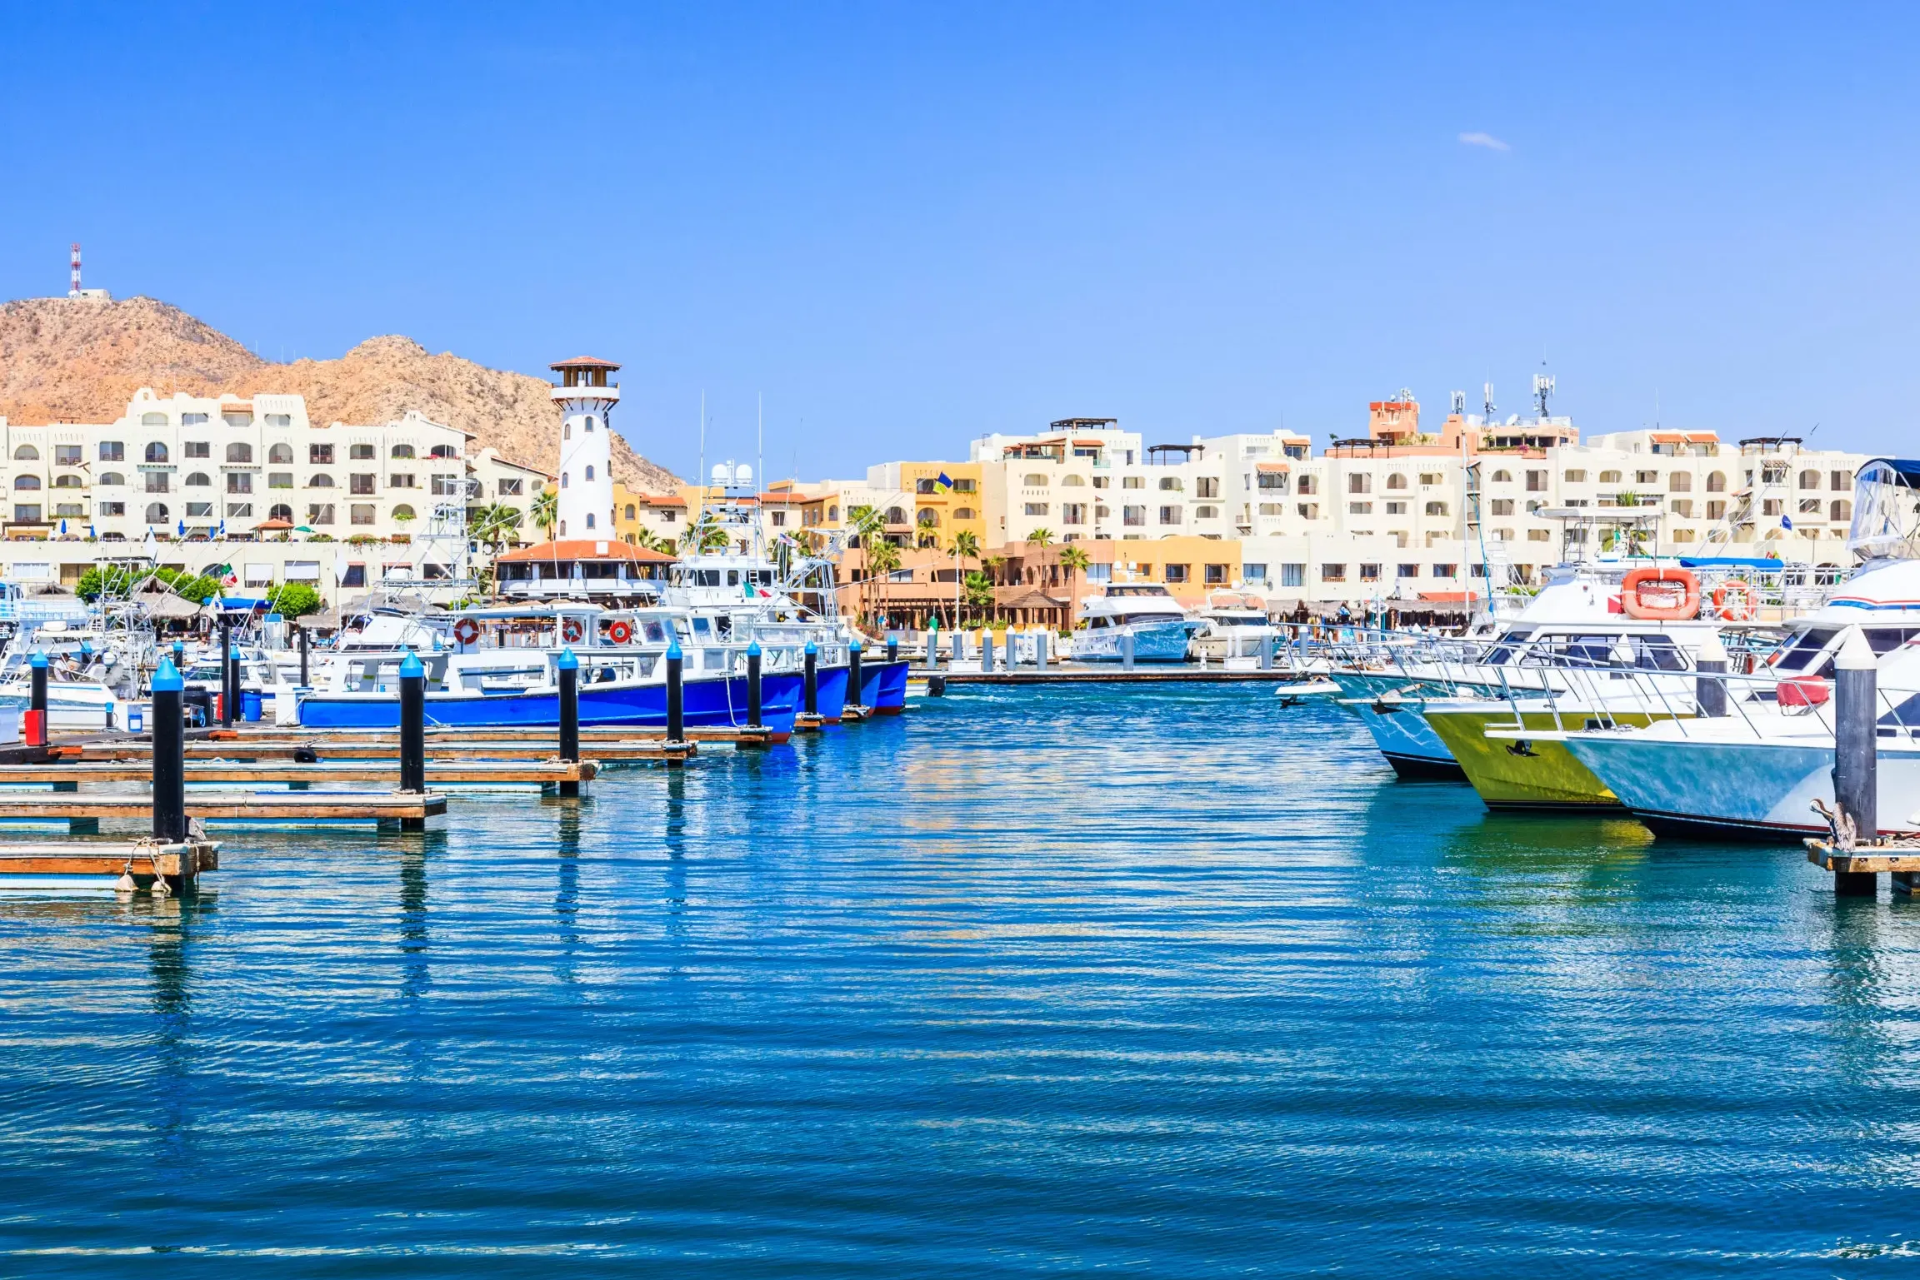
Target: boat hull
x,y
1399,729
1747,790
1527,773
1152,642
883,686
707,703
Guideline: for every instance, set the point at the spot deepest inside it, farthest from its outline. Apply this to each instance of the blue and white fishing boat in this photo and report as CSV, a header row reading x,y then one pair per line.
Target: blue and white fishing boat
x,y
1159,626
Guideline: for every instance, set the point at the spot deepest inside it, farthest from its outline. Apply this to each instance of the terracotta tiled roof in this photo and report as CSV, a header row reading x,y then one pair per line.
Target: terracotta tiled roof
x,y
584,362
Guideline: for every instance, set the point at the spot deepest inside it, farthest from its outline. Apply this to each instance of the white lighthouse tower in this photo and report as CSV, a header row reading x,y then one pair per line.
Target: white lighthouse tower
x,y
586,401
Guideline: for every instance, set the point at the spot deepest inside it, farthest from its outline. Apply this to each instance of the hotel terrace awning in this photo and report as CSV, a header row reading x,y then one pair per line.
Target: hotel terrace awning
x,y
1273,468
1685,437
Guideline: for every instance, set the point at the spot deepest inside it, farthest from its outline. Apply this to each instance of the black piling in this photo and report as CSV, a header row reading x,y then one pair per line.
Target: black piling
x,y
304,641
227,691
753,685
853,673
812,685
893,649
169,755
676,696
1856,753
37,727
568,667
1709,686
413,724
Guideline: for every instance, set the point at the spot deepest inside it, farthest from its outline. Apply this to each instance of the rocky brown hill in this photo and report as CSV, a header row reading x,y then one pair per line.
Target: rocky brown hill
x,y
63,360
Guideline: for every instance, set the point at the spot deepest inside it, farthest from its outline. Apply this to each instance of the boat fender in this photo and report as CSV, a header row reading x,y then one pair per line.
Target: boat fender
x,y
1733,600
1675,594
620,632
1805,693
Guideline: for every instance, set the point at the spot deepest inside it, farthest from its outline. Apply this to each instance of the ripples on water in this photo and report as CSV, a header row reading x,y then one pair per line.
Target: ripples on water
x,y
1169,983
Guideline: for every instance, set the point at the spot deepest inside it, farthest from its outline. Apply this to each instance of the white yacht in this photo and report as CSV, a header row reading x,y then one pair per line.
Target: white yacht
x,y
1236,627
1159,625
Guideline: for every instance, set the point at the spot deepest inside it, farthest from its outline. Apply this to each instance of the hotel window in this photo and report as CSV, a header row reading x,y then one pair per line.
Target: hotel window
x,y
1445,571
1359,508
360,513
196,449
320,480
363,452
1272,480
1431,477
239,482
156,513
1207,487
1333,573
1683,507
156,452
1536,482
1293,575
1400,508
963,513
779,519
1407,570
404,480
113,508
279,479
1170,515
1606,477
1842,509
27,513
455,486
1500,507
1680,482
1253,571
1170,484
1307,485
240,419
1036,508
197,480
360,483
1133,482
66,455
1133,515
1770,506
1396,481
1273,508
1646,477
320,455
1308,510
116,451
1073,513
511,489
1436,508
1215,575
239,511
1359,482
1035,480
111,479
1206,513
1716,482
1578,477
281,454
279,419
1538,535
240,453
1840,481
1369,573
1176,573
156,482
160,419
320,513
199,511
73,510
1810,507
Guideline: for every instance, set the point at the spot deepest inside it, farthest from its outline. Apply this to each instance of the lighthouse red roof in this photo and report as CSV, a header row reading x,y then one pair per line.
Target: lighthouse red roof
x,y
585,362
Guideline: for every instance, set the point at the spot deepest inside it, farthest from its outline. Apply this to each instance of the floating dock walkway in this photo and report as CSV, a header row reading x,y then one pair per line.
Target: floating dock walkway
x,y
396,810
466,773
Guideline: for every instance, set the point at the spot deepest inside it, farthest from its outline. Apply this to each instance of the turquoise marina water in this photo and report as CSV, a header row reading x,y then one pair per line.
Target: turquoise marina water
x,y
1155,982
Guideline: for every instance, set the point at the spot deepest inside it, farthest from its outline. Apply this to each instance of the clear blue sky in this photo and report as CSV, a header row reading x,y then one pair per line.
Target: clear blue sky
x,y
910,224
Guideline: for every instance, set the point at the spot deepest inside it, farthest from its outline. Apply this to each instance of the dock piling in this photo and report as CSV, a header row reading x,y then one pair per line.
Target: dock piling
x,y
893,648
413,724
1126,650
812,686
1709,691
986,650
1856,753
933,644
853,673
304,683
676,699
568,668
1040,649
753,681
169,755
36,725
228,695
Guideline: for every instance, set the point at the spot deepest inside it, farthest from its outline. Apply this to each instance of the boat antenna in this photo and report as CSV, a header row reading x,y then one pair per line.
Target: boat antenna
x,y
760,436
701,474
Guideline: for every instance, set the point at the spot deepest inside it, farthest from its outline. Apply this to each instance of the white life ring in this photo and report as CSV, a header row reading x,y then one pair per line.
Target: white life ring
x,y
570,631
466,631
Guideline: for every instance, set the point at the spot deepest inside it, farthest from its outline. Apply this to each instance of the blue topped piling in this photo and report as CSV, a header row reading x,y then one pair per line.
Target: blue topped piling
x,y
36,725
812,653
568,667
753,685
413,723
676,695
853,672
169,755
893,647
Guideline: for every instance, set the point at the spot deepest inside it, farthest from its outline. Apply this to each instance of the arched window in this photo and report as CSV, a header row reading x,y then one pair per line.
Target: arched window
x,y
1809,479
156,513
110,478
26,453
281,453
1841,509
198,477
1036,480
403,512
563,528
833,513
156,452
443,451
1398,481
589,427
280,511
589,473
1436,508
566,430
563,479
403,451
1076,480
320,480
153,420
928,518
1501,477
589,519
239,451
896,516
963,513
68,482
26,482
1716,482
632,512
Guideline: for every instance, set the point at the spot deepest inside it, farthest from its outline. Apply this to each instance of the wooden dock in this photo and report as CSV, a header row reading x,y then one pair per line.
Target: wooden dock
x,y
443,753
468,773
400,810
1112,674
498,733
105,865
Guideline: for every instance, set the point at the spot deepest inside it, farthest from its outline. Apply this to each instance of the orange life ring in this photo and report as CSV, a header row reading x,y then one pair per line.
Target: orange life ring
x,y
1740,609
571,631
466,631
1674,595
620,632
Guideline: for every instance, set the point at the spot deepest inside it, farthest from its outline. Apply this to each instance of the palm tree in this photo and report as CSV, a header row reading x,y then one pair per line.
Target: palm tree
x,y
1074,560
1041,538
546,510
883,557
652,541
869,527
965,547
493,525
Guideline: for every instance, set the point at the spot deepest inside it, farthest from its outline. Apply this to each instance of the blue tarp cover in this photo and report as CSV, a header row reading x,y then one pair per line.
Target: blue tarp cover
x,y
1730,562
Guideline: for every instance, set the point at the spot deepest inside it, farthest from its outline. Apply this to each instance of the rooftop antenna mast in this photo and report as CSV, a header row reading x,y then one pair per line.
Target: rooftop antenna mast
x,y
73,290
1542,388
1486,402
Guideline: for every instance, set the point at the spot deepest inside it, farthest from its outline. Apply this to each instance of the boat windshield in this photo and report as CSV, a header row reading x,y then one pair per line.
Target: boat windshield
x,y
1502,653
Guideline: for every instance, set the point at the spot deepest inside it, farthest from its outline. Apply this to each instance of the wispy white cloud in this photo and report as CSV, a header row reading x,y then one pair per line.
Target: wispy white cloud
x,y
1487,140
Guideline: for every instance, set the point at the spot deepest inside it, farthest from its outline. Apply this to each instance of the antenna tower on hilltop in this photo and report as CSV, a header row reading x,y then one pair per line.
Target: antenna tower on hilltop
x,y
73,289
